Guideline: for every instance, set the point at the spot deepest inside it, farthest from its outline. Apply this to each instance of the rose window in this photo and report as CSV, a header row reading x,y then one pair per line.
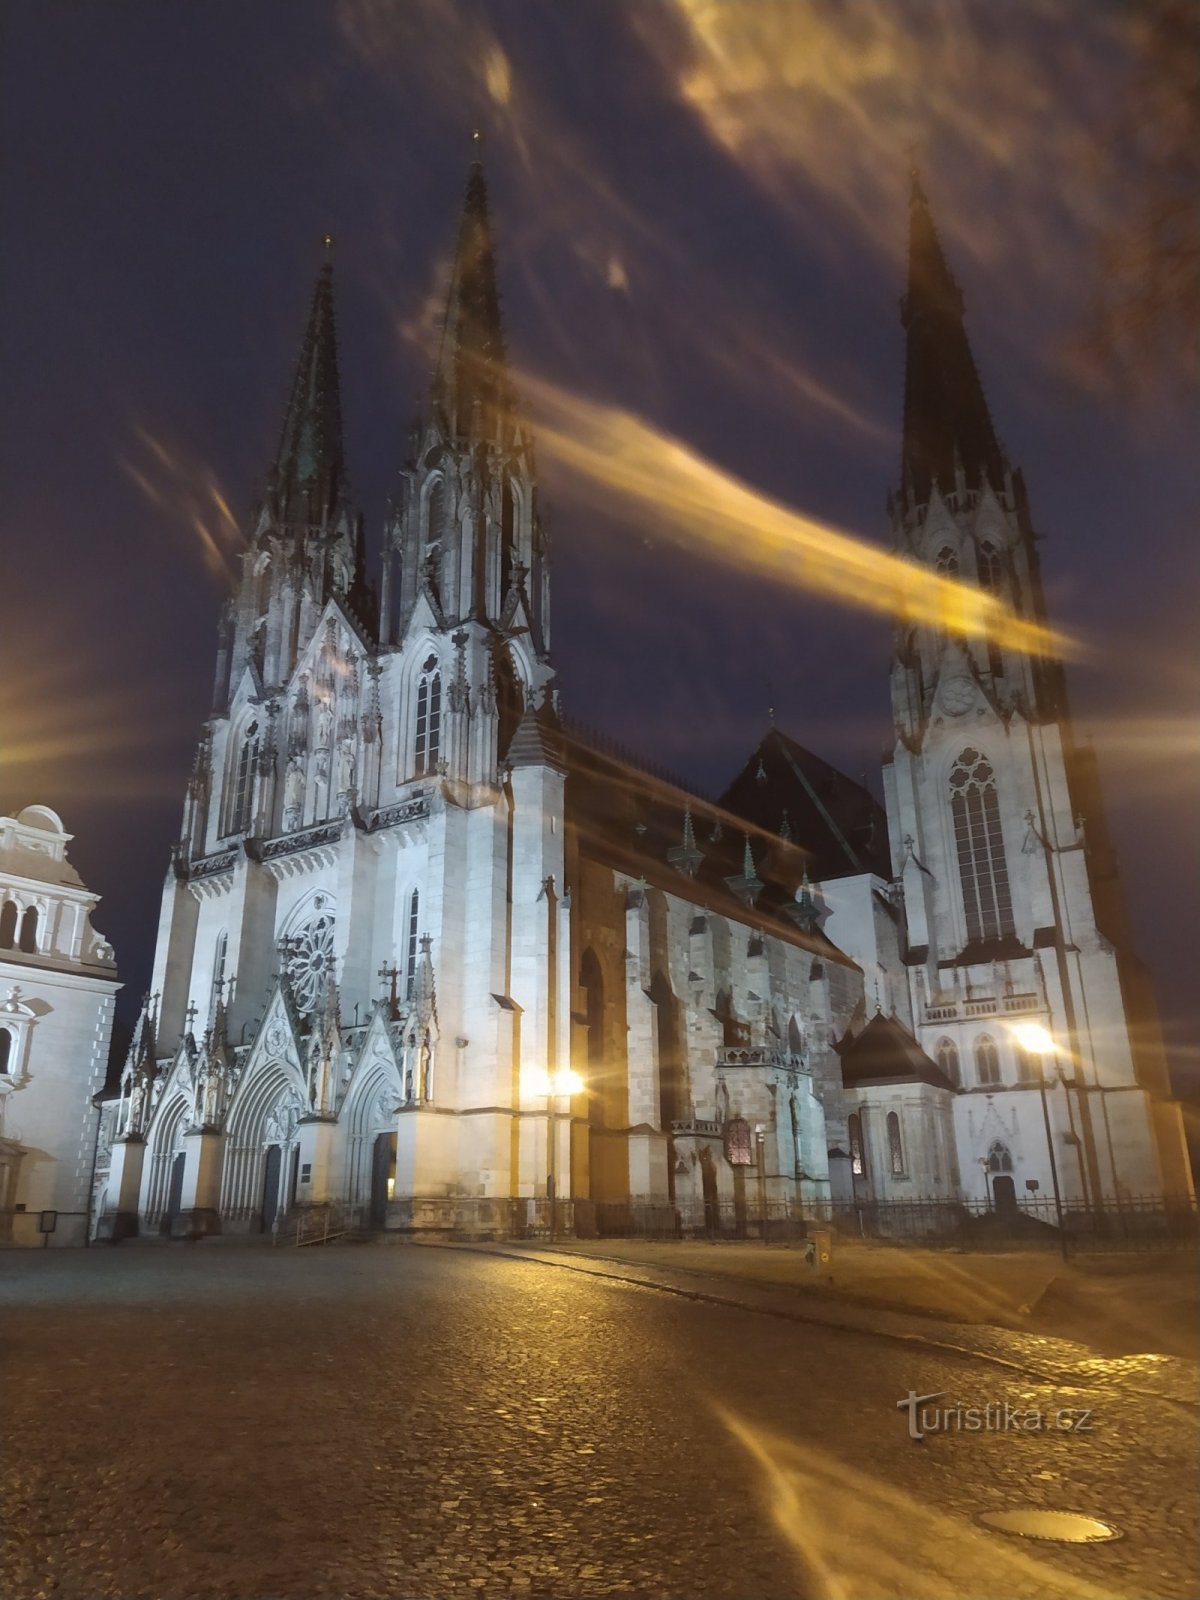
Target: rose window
x,y
310,962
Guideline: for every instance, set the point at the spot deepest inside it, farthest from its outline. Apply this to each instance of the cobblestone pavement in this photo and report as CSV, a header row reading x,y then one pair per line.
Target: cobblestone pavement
x,y
208,1421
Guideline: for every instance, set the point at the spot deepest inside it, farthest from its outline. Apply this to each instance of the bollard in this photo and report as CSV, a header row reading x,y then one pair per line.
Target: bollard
x,y
818,1252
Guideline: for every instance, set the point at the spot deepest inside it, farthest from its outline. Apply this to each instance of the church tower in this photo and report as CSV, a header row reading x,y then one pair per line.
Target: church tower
x,y
466,580
1012,904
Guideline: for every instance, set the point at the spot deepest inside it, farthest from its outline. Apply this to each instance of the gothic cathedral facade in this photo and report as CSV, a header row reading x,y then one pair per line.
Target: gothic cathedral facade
x,y
427,955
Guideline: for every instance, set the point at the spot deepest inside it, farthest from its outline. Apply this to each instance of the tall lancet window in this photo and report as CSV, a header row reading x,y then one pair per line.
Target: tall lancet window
x,y
410,956
991,573
990,569
428,739
975,805
241,793
946,562
435,508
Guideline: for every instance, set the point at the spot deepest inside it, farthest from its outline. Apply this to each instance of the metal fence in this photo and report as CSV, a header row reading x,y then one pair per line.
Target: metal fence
x,y
777,1222
1130,1222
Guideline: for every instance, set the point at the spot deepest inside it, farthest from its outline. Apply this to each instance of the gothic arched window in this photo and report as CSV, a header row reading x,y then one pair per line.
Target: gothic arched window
x,y
987,1061
999,1157
435,513
427,742
6,1050
1027,1067
990,567
895,1147
29,931
946,562
858,1154
8,925
410,953
507,538
241,792
979,837
947,1059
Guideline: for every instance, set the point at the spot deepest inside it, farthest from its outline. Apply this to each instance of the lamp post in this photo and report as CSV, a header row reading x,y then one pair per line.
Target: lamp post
x,y
760,1136
565,1082
1032,1037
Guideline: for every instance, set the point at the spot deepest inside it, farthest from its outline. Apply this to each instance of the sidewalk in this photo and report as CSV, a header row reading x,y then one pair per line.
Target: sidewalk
x,y
1117,1305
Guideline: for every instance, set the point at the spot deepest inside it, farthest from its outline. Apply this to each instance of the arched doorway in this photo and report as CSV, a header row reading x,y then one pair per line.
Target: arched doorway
x,y
383,1177
712,1205
272,1172
1004,1195
174,1192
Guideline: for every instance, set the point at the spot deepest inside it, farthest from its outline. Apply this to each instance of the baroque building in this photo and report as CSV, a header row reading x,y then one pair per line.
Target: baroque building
x,y
58,986
426,951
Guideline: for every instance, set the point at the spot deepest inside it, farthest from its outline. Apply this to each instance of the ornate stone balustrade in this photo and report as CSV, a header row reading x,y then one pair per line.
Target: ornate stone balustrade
x,y
1001,1005
756,1055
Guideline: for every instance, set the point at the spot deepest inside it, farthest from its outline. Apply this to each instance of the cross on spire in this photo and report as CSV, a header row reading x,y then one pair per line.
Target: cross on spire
x,y
391,975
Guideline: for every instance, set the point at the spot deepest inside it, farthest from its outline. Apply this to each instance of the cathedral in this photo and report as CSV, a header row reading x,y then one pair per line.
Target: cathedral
x,y
429,956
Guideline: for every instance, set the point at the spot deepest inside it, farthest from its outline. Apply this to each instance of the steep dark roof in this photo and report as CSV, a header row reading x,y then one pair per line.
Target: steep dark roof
x,y
885,1052
308,482
838,823
946,417
637,822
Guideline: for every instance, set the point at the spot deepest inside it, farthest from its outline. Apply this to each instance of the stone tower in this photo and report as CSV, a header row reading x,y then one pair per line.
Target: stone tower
x,y
1012,904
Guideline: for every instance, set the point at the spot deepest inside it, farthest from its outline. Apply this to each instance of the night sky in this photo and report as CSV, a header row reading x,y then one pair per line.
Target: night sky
x,y
699,221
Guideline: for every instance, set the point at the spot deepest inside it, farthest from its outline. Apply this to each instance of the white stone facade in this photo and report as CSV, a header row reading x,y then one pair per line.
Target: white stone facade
x,y
58,984
405,899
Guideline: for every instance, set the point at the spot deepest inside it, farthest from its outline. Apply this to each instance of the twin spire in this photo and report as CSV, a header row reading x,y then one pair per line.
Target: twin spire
x,y
471,388
947,426
472,392
308,483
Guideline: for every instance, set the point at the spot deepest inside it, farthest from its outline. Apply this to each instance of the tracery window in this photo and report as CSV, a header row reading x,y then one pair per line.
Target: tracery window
x,y
310,961
427,743
990,567
895,1147
739,1146
241,795
1027,1067
947,1059
999,1157
979,838
858,1154
946,562
987,1061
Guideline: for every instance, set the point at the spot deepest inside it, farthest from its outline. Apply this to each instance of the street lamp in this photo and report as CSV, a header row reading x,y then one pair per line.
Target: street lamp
x,y
1038,1043
553,1085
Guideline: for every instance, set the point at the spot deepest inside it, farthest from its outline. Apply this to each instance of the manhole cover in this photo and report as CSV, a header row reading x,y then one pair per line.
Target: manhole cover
x,y
1068,1527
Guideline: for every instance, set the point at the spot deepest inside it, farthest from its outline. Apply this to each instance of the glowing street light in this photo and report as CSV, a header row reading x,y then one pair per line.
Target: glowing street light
x,y
554,1085
1041,1045
1033,1037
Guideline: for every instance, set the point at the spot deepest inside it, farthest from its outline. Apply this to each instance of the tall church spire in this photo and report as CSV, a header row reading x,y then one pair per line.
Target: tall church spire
x,y
308,481
471,369
947,426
